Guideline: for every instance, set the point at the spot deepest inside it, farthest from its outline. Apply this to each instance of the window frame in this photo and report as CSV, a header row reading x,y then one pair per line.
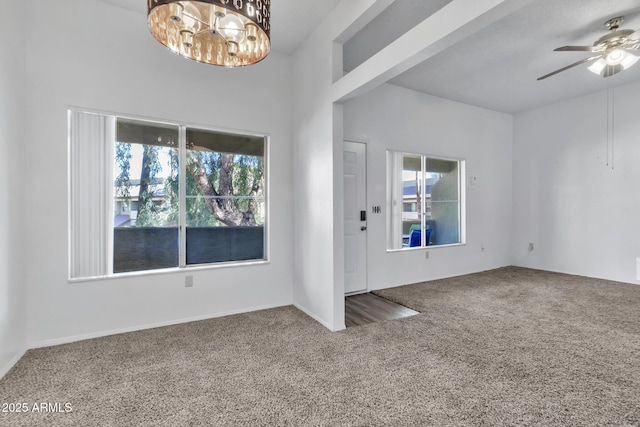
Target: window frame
x,y
462,196
182,148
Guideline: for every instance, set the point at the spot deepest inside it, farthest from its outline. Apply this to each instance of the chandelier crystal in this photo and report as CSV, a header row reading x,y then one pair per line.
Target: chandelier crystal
x,y
229,33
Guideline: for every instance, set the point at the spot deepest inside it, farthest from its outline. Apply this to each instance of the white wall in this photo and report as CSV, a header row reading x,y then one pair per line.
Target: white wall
x,y
317,126
394,118
91,54
581,214
314,285
13,304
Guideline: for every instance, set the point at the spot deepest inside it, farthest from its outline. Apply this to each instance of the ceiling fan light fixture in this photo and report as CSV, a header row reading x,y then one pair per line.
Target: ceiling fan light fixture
x,y
598,66
614,52
629,60
229,33
613,62
615,56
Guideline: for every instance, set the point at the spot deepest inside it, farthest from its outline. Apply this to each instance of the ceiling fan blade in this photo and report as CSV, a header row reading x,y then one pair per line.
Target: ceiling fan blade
x,y
577,49
569,66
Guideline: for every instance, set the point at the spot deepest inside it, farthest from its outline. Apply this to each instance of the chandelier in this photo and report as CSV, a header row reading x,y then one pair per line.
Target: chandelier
x,y
229,33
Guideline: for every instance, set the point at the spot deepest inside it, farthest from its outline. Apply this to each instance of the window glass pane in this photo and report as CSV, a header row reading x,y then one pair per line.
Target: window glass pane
x,y
225,200
146,196
423,201
443,201
412,183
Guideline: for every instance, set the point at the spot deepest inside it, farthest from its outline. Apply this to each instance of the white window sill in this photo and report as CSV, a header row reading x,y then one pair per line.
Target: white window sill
x,y
416,248
174,270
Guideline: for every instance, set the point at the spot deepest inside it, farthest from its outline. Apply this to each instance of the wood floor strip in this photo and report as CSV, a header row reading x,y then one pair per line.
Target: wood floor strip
x,y
368,308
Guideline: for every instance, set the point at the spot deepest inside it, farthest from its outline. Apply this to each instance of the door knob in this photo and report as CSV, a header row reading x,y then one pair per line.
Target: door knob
x,y
364,227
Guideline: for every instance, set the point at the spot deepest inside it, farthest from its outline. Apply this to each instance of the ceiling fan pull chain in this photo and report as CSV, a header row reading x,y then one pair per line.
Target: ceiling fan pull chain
x,y
608,120
611,110
613,125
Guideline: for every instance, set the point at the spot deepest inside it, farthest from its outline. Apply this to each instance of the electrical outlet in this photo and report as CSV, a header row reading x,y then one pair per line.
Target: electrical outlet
x,y
530,247
188,281
426,254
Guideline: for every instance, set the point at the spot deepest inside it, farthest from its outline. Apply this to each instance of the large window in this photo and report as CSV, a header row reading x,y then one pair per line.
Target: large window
x,y
424,201
148,195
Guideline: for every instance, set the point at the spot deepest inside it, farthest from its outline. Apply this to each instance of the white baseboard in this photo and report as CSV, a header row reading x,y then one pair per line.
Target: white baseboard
x,y
438,277
12,362
577,273
316,318
75,338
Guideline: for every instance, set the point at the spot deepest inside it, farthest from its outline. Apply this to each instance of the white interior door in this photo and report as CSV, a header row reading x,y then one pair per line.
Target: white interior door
x,y
355,217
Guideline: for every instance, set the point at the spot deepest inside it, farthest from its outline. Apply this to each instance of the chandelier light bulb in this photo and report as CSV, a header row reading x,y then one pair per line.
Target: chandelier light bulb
x,y
187,39
231,28
175,9
215,14
251,32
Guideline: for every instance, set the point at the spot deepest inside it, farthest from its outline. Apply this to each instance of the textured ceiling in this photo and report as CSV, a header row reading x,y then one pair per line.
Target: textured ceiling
x,y
495,68
392,23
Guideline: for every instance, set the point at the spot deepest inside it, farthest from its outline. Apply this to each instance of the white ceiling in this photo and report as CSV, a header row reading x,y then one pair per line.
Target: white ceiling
x,y
495,68
385,28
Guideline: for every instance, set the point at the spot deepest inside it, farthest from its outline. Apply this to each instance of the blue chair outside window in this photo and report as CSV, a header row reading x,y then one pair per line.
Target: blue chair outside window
x,y
414,238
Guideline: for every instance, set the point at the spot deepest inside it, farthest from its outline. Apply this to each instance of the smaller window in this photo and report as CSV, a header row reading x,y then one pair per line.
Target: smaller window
x,y
423,200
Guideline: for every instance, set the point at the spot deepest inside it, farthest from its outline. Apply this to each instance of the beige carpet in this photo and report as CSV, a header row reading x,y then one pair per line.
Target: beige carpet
x,y
506,347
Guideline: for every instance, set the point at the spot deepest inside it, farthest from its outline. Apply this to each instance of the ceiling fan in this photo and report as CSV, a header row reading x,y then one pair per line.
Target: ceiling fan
x,y
614,52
